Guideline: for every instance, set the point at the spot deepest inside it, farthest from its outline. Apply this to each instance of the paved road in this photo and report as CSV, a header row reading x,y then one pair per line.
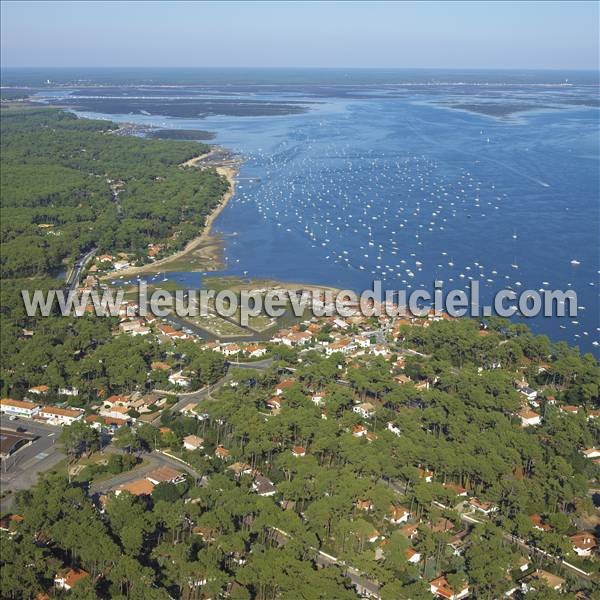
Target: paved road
x,y
20,471
261,365
73,279
360,581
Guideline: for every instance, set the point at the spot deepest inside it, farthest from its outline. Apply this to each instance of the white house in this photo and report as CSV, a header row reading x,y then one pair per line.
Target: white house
x,y
263,486
591,453
365,410
440,587
318,398
297,338
397,515
68,391
67,579
394,428
165,475
485,508
114,412
528,392
179,379
61,416
255,350
583,543
193,442
19,408
359,430
529,417
412,556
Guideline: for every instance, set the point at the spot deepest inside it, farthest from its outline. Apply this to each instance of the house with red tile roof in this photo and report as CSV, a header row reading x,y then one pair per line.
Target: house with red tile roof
x,y
68,579
441,588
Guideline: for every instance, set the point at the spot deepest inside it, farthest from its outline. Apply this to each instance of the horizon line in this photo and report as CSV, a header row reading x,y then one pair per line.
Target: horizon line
x,y
374,68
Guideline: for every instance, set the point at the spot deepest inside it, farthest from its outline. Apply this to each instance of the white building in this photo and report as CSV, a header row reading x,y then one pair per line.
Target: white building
x,y
394,428
529,417
179,379
365,410
193,442
61,416
19,408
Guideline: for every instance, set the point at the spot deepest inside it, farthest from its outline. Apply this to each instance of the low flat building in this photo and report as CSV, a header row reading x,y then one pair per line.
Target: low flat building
x,y
19,408
263,486
193,442
139,487
439,587
61,416
69,578
583,543
165,475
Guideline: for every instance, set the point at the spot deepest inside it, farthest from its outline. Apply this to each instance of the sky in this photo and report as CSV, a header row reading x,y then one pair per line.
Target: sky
x,y
544,35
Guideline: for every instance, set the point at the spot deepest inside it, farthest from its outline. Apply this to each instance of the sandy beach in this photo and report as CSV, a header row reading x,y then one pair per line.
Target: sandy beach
x,y
205,249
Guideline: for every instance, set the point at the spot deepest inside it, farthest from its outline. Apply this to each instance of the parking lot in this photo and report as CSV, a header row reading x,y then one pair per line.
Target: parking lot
x,y
20,470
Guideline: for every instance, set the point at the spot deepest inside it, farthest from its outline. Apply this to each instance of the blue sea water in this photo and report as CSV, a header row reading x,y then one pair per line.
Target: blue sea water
x,y
493,178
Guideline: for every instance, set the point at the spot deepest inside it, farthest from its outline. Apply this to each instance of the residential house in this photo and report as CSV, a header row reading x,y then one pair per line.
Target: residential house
x,y
286,384
68,391
298,451
554,582
373,536
19,408
222,453
172,333
38,390
274,403
116,401
61,416
485,508
193,442
165,475
394,428
591,453
359,430
318,398
230,349
458,489
263,486
397,515
583,543
134,328
410,531
297,338
365,410
115,412
138,487
69,578
179,379
365,505
441,588
538,523
239,469
412,556
529,417
344,346
425,474
528,392
255,350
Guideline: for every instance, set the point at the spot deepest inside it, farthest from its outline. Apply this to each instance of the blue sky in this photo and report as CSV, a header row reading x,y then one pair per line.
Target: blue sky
x,y
560,35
